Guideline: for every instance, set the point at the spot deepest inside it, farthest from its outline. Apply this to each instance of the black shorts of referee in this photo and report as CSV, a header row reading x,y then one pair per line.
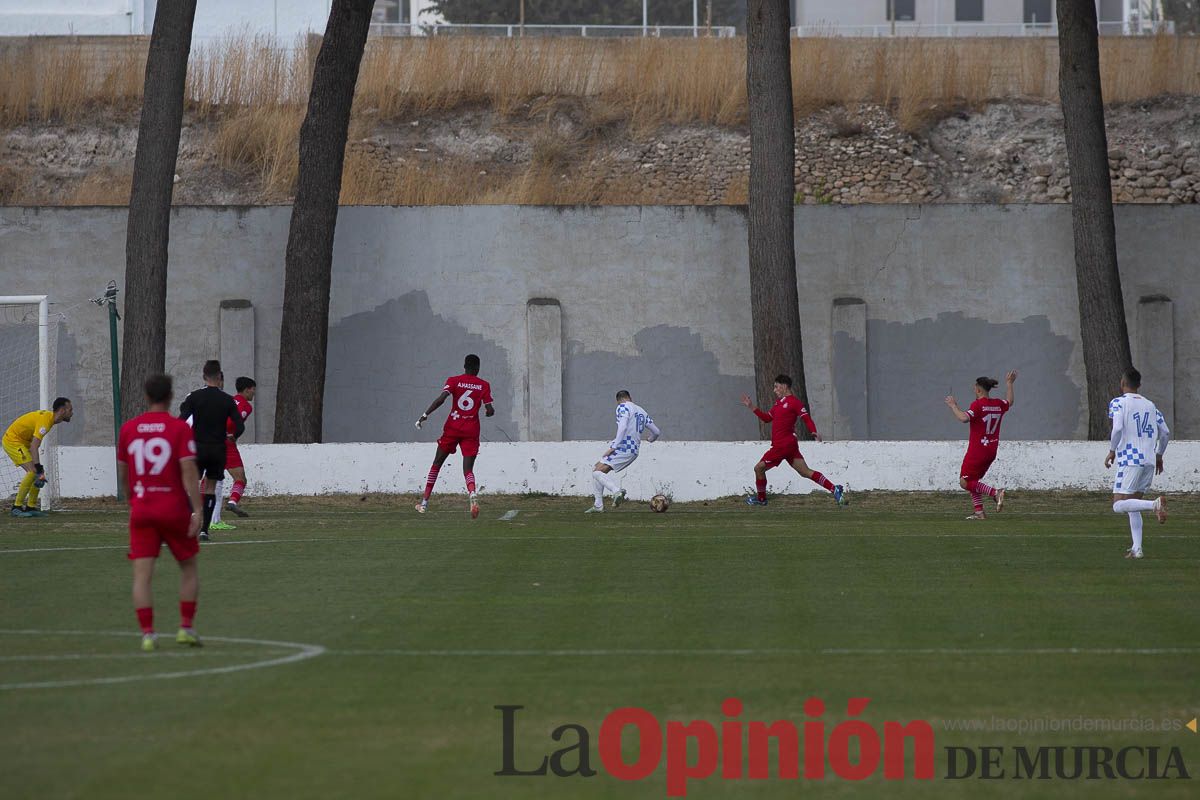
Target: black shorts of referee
x,y
210,460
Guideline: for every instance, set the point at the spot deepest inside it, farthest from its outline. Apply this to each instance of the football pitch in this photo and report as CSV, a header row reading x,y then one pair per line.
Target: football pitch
x,y
356,649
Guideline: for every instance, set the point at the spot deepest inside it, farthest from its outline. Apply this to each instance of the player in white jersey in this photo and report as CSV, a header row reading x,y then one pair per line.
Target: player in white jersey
x,y
1138,432
632,423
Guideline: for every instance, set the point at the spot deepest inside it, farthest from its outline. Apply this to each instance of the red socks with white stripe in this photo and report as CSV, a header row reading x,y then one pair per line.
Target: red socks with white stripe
x,y
235,494
470,478
822,481
431,480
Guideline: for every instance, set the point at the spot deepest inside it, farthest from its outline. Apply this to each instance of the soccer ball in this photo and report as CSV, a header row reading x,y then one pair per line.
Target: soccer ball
x,y
659,503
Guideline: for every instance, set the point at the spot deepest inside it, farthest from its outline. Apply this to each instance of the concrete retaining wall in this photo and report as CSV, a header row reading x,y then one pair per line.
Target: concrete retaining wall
x,y
900,304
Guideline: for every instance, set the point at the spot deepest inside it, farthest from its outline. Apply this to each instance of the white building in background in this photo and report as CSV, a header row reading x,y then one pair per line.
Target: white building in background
x,y
961,17
283,19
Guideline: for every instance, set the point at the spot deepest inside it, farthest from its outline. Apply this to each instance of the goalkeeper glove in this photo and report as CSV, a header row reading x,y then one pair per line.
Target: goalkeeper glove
x,y
40,480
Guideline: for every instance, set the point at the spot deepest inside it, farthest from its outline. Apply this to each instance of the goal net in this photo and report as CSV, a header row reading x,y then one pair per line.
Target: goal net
x,y
28,343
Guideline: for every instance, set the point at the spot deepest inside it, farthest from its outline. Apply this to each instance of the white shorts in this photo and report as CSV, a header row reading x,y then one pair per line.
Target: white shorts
x,y
1133,479
619,461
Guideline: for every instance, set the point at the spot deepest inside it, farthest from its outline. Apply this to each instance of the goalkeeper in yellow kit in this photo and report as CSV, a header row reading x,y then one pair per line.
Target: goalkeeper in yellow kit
x,y
22,442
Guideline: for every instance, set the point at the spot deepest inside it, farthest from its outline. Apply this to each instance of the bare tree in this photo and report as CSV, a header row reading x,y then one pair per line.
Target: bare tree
x,y
304,333
149,227
1102,325
774,304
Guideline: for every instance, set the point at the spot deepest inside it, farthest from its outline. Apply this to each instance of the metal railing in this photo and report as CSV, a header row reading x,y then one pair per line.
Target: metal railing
x,y
586,31
964,29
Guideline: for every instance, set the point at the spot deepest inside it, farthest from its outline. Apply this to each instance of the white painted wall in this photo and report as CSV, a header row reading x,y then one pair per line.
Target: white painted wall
x,y
686,470
68,17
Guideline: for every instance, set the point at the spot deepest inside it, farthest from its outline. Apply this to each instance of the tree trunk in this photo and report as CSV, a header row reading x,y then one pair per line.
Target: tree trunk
x,y
1102,327
149,225
304,333
774,304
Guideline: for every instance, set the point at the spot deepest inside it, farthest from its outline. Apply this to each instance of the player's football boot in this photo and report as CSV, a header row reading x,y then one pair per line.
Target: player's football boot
x,y
20,512
36,512
977,515
618,498
999,501
236,509
753,500
1160,509
421,507
474,506
222,526
839,495
149,642
204,537
1131,553
594,510
189,637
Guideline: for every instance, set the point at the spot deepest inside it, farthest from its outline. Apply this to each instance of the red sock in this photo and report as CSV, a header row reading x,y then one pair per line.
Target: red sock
x,y
822,481
983,488
235,494
146,618
977,499
761,485
187,613
431,480
470,476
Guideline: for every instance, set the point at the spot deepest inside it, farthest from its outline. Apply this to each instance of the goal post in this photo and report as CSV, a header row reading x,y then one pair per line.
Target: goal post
x,y
28,345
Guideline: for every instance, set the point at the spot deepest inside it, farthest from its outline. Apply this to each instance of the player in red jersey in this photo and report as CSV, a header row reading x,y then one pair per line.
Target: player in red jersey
x,y
246,387
984,416
462,427
156,460
784,445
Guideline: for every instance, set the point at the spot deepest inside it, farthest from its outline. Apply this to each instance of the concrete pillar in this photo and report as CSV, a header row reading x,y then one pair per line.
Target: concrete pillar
x,y
848,361
544,392
237,349
1154,351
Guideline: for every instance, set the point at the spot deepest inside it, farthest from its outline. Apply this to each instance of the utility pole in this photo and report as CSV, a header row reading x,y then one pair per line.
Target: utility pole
x,y
109,298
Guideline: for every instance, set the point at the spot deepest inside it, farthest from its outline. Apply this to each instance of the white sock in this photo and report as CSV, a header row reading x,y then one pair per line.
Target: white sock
x,y
607,481
1129,506
1135,527
220,493
598,490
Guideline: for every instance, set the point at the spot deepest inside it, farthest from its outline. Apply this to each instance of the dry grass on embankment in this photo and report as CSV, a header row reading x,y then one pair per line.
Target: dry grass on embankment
x,y
251,94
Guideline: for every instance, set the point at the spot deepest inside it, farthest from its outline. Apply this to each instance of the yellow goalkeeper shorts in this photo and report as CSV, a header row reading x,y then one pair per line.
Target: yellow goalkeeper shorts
x,y
18,452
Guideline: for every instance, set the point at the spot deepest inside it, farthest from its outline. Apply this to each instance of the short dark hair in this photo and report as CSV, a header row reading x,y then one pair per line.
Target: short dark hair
x,y
986,383
471,364
243,383
212,368
158,388
1132,378
59,402
786,380
623,394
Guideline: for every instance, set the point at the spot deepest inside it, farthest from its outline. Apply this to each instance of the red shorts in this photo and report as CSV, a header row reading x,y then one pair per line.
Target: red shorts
x,y
233,459
974,467
451,441
149,531
780,453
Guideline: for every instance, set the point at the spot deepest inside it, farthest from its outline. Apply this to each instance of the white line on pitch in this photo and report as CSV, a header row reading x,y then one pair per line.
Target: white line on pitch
x,y
303,653
998,651
699,536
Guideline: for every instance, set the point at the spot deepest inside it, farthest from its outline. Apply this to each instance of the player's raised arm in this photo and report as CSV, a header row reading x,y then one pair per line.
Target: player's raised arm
x,y
959,414
1010,379
765,416
441,398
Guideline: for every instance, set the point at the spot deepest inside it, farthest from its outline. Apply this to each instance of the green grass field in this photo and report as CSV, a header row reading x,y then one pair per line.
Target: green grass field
x,y
429,622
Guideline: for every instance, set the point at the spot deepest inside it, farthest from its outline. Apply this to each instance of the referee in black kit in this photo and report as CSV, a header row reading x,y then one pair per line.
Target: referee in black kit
x,y
210,409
